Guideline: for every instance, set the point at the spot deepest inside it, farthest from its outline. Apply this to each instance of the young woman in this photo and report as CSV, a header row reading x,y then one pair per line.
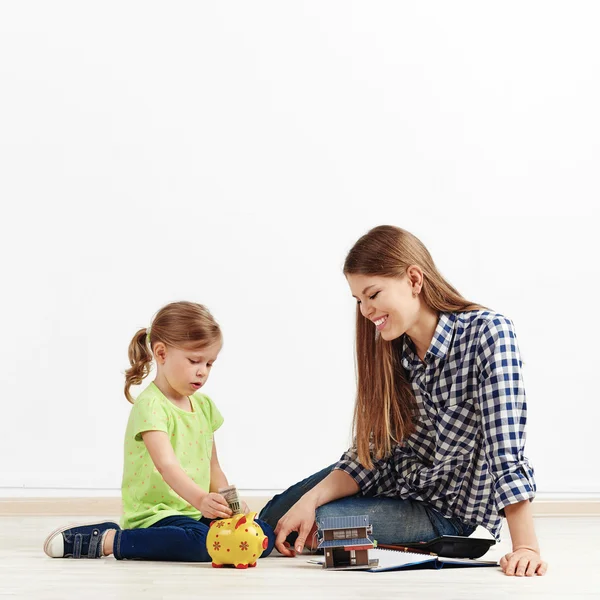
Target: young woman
x,y
439,421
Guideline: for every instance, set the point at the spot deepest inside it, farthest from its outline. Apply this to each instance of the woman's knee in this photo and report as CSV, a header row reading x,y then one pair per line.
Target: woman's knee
x,y
281,503
268,531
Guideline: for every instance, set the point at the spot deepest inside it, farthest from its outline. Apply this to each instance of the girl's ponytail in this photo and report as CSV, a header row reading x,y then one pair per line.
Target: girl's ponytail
x,y
140,359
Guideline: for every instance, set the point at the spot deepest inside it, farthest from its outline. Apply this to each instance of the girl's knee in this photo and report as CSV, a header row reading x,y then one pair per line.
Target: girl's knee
x,y
196,542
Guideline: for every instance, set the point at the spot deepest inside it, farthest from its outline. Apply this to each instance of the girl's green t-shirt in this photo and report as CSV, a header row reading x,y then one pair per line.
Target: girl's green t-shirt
x,y
146,497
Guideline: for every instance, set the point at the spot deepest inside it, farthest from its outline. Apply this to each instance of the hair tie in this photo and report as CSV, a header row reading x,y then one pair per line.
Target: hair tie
x,y
148,336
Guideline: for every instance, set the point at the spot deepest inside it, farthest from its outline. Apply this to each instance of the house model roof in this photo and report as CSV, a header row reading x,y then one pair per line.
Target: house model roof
x,y
343,522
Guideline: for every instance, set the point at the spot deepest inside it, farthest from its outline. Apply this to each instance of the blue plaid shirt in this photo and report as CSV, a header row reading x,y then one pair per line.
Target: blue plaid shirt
x,y
466,456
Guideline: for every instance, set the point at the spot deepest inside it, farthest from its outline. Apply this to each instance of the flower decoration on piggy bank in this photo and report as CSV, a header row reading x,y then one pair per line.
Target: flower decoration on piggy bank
x,y
238,541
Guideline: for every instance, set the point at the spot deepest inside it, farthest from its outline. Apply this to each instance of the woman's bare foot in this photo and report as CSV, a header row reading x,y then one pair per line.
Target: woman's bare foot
x,y
311,540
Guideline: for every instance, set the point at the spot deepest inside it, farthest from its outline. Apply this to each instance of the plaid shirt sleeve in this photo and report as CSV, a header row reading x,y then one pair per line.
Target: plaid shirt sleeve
x,y
378,480
502,406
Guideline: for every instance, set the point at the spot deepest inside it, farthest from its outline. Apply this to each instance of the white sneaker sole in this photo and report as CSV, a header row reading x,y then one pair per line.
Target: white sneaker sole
x,y
53,543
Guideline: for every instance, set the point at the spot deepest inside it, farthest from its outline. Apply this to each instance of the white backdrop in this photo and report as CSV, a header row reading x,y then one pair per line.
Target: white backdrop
x,y
230,153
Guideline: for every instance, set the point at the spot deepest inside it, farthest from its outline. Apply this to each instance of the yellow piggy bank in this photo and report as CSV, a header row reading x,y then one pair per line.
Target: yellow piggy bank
x,y
236,541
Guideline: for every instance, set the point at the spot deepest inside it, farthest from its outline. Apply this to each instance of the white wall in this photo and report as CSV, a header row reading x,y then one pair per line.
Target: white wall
x,y
230,153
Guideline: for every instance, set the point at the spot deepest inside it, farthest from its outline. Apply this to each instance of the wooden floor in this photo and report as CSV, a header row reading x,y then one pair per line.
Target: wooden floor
x,y
571,545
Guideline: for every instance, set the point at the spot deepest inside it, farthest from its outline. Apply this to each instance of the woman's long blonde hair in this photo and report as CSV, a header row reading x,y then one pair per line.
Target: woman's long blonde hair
x,y
177,324
385,409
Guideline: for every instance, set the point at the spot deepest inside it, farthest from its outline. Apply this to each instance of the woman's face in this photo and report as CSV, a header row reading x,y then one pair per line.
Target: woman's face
x,y
387,301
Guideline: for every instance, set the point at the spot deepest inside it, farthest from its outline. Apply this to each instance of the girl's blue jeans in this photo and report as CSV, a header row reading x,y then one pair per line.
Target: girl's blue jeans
x,y
174,538
394,520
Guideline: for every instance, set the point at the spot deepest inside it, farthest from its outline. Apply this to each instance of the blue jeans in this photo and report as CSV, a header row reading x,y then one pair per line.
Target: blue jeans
x,y
394,520
176,538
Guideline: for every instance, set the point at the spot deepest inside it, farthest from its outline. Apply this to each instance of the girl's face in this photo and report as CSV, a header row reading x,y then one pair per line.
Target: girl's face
x,y
388,301
186,370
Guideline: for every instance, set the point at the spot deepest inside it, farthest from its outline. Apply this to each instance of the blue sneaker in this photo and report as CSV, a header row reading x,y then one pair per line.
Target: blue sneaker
x,y
78,541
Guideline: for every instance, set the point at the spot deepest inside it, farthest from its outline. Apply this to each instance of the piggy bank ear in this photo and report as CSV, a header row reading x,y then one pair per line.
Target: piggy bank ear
x,y
212,523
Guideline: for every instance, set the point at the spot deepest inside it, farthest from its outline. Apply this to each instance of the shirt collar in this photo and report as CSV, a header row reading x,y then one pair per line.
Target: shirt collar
x,y
439,347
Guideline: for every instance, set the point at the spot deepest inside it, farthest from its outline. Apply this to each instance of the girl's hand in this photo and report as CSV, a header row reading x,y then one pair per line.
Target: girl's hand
x,y
523,562
300,518
214,506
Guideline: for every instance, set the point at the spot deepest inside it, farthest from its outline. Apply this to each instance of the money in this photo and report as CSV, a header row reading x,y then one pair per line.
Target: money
x,y
230,494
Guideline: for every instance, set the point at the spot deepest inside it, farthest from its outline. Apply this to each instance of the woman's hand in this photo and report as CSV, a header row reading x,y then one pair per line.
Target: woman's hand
x,y
300,518
244,507
525,558
214,506
523,562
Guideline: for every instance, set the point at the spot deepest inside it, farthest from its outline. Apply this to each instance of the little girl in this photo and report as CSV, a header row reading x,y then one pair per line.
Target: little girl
x,y
171,471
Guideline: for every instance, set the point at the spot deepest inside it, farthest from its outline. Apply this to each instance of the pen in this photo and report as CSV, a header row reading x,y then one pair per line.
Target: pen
x,y
405,549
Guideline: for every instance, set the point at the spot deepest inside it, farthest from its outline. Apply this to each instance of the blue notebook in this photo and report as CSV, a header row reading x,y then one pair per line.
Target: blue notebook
x,y
396,560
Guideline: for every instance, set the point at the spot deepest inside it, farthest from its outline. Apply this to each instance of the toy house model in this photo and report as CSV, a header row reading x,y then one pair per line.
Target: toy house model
x,y
345,542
